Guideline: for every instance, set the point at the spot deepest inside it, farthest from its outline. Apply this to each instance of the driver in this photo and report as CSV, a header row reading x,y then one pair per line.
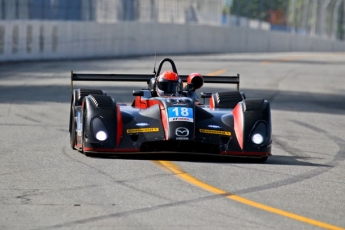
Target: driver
x,y
168,83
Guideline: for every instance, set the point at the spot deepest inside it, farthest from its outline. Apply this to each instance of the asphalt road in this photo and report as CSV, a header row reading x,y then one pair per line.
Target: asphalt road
x,y
46,185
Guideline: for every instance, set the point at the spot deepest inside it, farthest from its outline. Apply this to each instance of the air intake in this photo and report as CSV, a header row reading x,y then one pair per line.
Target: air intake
x,y
85,92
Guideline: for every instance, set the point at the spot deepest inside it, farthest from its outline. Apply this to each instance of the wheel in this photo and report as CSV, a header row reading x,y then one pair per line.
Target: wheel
x,y
72,135
82,135
82,132
228,99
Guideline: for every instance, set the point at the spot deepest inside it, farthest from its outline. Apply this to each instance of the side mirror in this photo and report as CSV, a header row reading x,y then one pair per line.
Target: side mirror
x,y
205,95
138,93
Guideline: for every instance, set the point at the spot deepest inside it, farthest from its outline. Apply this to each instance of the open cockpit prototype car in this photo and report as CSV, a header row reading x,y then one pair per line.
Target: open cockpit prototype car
x,y
176,122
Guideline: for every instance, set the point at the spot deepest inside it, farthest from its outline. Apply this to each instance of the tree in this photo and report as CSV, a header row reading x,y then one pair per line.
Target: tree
x,y
273,11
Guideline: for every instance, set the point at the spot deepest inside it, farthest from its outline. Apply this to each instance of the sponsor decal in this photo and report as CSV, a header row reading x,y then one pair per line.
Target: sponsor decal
x,y
181,132
182,138
143,130
216,132
181,119
142,124
214,126
180,114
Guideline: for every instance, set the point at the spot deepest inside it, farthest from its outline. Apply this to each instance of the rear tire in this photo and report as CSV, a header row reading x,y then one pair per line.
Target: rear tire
x,y
228,99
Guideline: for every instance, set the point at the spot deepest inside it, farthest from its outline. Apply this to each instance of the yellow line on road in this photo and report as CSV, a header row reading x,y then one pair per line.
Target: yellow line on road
x,y
286,59
295,58
218,72
171,167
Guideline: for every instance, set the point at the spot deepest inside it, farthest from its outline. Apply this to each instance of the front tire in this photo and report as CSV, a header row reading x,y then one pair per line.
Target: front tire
x,y
72,135
82,135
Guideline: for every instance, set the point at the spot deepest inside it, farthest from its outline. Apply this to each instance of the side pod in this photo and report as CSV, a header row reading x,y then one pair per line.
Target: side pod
x,y
75,110
100,116
252,125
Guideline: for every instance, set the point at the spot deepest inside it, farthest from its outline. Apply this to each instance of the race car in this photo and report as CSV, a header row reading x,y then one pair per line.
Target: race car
x,y
168,117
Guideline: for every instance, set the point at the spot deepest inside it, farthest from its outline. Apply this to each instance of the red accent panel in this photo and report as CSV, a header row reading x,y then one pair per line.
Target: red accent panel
x,y
261,154
238,123
164,121
111,150
144,104
140,104
119,125
211,103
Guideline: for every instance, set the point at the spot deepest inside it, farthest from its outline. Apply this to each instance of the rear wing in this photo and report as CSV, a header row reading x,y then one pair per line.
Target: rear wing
x,y
146,77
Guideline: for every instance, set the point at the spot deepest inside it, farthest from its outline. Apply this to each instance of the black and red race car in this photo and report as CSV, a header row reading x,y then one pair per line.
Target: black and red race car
x,y
229,124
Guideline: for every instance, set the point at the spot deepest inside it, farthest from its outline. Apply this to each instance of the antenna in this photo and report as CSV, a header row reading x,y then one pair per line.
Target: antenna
x,y
154,66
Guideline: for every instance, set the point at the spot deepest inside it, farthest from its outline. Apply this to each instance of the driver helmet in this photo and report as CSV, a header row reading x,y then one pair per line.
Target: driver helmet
x,y
168,83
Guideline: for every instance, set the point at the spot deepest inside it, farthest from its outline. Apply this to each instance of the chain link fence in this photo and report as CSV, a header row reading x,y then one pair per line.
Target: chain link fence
x,y
324,18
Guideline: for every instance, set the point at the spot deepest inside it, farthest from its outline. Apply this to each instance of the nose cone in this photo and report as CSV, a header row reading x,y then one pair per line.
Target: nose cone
x,y
182,131
180,112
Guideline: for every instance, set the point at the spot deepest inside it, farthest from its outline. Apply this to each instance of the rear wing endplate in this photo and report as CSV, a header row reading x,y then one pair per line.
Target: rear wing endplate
x,y
146,77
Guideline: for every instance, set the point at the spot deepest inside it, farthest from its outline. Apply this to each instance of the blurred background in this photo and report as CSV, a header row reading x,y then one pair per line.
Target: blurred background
x,y
60,29
323,18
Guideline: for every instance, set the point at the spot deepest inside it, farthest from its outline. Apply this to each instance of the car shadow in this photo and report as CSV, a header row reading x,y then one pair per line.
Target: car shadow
x,y
218,159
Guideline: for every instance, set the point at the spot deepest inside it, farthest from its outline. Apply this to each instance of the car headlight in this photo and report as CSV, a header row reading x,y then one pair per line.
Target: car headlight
x,y
259,133
101,135
99,129
257,138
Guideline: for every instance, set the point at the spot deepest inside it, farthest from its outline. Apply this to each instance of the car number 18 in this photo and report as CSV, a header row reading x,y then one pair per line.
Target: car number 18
x,y
180,112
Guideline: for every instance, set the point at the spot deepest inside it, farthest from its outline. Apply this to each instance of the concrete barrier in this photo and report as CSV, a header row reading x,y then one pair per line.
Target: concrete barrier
x,y
42,40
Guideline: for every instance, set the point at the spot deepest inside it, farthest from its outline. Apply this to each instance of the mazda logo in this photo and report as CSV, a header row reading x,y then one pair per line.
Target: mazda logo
x,y
181,132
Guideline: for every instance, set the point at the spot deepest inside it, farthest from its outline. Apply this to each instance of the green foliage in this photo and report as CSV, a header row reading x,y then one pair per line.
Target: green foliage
x,y
258,9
